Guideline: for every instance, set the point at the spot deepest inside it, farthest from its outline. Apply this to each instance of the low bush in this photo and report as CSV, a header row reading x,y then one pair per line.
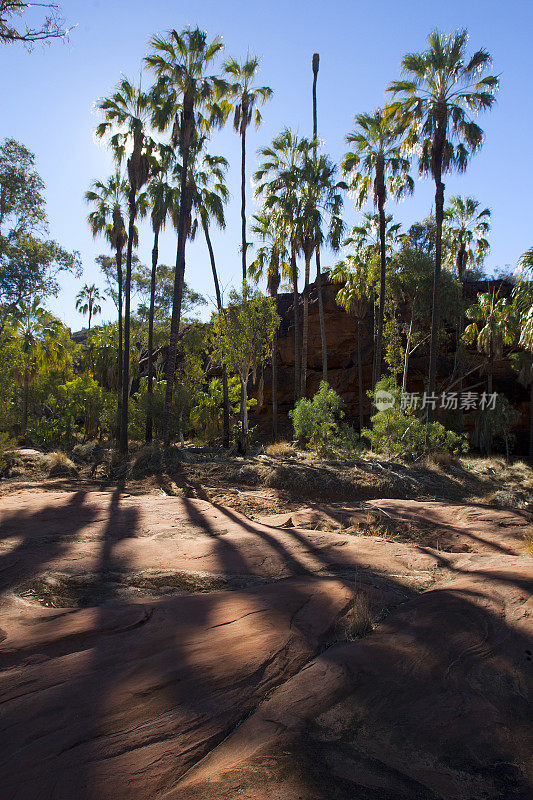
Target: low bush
x,y
280,450
318,423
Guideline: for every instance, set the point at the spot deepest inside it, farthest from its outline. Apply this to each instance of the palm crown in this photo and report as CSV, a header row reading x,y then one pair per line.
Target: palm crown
x,y
466,229
441,89
109,199
247,98
376,159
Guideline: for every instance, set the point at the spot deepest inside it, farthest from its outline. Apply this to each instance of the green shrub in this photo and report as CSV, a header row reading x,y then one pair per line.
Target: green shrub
x,y
7,446
401,432
318,422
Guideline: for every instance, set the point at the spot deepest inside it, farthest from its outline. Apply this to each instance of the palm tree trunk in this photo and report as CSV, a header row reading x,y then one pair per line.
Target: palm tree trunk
x,y
305,328
382,279
225,392
489,392
296,302
531,422
439,216
243,200
118,259
244,417
187,131
321,318
149,406
275,378
127,299
360,375
89,323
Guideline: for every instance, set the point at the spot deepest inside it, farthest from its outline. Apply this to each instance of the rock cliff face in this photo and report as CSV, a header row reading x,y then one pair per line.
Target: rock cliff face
x,y
341,335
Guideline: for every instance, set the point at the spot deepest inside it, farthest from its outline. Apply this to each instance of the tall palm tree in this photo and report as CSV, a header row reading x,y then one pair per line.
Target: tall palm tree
x,y
247,98
110,199
277,183
126,115
320,203
523,303
493,327
187,98
441,90
315,65
355,297
365,242
271,262
210,195
376,161
88,302
162,198
465,231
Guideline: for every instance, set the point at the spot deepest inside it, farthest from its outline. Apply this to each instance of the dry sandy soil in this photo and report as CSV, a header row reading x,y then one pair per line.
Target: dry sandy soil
x,y
267,630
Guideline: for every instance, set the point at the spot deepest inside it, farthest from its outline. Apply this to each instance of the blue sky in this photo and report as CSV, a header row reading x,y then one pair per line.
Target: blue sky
x,y
47,100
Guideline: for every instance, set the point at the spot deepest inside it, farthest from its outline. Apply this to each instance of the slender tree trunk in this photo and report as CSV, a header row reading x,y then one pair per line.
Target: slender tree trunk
x,y
406,359
323,339
243,199
127,299
360,374
275,378
382,279
118,259
435,318
25,392
305,328
374,336
489,392
244,417
315,67
89,324
149,406
296,302
187,123
225,392
531,422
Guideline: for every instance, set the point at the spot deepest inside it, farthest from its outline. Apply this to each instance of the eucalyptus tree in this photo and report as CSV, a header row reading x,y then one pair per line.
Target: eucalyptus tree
x,y
126,117
277,184
319,221
186,95
110,199
246,100
271,262
376,162
88,301
210,195
441,90
162,198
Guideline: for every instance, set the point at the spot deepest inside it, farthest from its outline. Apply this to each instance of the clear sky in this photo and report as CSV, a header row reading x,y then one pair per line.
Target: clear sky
x,y
47,102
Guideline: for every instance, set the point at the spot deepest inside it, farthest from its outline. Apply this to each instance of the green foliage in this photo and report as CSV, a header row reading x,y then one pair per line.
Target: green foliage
x,y
496,423
7,445
206,416
402,432
318,422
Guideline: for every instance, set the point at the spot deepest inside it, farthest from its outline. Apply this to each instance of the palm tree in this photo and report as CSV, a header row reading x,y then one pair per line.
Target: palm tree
x,y
523,303
354,297
185,93
365,241
319,206
210,195
315,64
88,302
442,88
271,261
376,161
126,114
110,203
247,98
277,182
41,347
465,230
162,198
493,327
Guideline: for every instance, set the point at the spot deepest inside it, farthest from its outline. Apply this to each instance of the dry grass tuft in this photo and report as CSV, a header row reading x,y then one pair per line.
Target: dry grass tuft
x,y
60,465
361,617
439,460
528,539
280,450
